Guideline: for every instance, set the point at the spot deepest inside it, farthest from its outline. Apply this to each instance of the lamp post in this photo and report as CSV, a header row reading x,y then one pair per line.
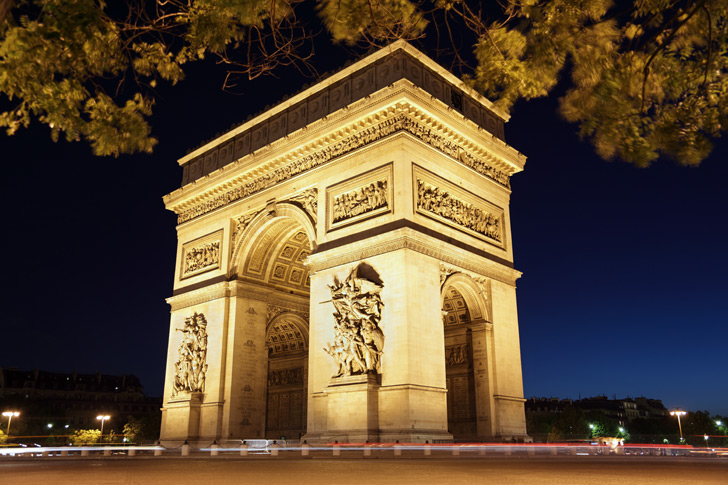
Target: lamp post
x,y
678,413
102,418
10,415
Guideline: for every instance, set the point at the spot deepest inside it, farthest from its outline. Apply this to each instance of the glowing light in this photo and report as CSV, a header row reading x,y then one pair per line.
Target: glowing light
x,y
10,415
102,418
678,413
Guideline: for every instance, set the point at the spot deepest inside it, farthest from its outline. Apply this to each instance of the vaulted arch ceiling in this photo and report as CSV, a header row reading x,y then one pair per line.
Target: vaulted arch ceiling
x,y
455,310
278,255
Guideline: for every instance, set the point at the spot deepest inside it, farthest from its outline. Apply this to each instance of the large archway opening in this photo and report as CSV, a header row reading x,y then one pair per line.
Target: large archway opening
x,y
286,389
461,395
272,252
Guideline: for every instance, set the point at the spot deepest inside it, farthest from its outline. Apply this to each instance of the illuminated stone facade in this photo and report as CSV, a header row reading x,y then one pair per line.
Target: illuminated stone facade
x,y
350,252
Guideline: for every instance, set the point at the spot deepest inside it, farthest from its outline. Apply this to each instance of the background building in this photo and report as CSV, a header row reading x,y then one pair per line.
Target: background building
x,y
53,401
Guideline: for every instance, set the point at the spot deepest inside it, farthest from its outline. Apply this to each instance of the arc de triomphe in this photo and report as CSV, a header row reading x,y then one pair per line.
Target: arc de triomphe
x,y
345,268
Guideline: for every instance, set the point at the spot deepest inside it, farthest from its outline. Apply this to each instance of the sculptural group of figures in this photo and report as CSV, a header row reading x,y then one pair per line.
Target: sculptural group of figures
x,y
285,377
456,354
358,340
360,201
202,257
191,365
439,202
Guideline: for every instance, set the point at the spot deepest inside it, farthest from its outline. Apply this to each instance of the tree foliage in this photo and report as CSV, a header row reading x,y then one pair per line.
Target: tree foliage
x,y
647,77
85,437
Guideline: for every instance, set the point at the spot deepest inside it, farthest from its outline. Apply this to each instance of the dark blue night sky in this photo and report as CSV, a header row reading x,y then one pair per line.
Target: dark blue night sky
x,y
623,289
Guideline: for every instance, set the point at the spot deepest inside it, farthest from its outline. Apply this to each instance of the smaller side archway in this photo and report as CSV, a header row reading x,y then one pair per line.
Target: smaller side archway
x,y
468,358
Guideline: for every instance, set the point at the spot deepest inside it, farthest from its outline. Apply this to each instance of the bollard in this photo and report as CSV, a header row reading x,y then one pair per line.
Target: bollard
x,y
244,449
553,451
455,451
336,449
84,452
274,449
131,452
64,452
214,448
304,448
531,451
397,449
428,449
185,449
481,450
572,451
367,449
107,451
508,450
158,452
45,453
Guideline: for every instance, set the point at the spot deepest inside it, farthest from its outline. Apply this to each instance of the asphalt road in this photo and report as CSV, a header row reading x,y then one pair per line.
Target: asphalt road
x,y
272,471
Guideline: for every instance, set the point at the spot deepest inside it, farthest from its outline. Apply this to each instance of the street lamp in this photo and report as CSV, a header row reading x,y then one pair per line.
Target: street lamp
x,y
678,413
102,418
10,415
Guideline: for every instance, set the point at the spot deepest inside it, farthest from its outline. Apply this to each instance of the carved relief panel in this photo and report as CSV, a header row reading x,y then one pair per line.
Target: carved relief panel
x,y
449,204
201,255
358,339
191,365
367,195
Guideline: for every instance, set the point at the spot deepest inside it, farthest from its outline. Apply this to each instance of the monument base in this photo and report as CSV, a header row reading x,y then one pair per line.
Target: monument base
x,y
353,409
181,419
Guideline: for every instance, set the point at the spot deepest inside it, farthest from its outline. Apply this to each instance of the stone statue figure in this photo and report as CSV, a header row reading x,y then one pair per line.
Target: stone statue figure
x,y
191,365
358,340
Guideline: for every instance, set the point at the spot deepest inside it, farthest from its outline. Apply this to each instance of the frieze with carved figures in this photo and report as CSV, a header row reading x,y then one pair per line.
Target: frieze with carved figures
x,y
397,123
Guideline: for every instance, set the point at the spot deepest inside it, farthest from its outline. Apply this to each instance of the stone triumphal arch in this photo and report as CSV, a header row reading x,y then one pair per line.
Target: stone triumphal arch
x,y
345,269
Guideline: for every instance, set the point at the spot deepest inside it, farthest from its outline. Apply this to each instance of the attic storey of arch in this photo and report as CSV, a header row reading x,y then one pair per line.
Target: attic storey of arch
x,y
646,79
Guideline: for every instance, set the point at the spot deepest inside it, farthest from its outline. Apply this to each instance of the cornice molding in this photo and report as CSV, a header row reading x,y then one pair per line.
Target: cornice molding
x,y
404,113
409,239
240,289
196,297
